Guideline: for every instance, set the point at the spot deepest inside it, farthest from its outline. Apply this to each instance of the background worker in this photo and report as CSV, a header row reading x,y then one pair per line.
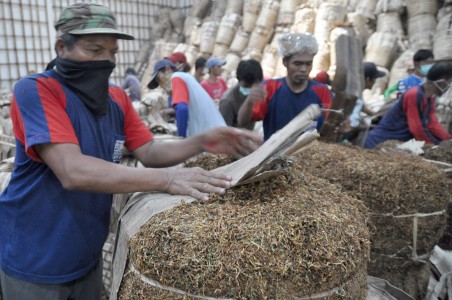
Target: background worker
x,y
214,84
132,84
200,66
413,115
194,109
423,61
278,101
249,75
71,125
180,61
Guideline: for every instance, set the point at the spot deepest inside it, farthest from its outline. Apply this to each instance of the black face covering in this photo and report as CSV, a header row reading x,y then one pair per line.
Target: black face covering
x,y
89,80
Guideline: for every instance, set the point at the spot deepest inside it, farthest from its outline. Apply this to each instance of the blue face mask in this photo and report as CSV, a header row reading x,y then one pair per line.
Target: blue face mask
x,y
425,68
245,91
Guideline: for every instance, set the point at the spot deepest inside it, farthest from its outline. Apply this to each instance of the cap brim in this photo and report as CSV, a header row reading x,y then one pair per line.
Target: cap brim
x,y
119,34
380,74
153,84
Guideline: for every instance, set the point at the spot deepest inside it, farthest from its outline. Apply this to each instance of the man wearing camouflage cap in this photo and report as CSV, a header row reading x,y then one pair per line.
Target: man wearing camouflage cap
x,y
278,101
71,126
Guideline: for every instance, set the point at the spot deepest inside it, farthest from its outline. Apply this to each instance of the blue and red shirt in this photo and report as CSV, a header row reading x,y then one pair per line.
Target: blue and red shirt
x,y
282,105
48,234
412,116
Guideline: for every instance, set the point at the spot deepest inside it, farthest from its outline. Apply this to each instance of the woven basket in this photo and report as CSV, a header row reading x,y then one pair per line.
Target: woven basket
x,y
287,11
240,41
321,61
228,27
209,31
390,22
195,35
251,10
278,32
367,8
421,30
260,37
220,50
443,38
328,16
389,6
304,20
235,7
381,48
418,7
359,22
232,61
399,68
269,61
251,53
200,9
268,14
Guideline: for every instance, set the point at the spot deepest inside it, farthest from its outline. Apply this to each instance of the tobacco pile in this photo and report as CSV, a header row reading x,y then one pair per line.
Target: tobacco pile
x,y
439,153
391,185
292,235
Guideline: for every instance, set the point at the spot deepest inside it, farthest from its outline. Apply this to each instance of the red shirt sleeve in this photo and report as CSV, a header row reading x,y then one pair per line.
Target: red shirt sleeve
x,y
180,91
260,108
325,97
136,132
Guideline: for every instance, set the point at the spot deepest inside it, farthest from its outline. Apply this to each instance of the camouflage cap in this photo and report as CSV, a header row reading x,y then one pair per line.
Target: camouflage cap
x,y
88,18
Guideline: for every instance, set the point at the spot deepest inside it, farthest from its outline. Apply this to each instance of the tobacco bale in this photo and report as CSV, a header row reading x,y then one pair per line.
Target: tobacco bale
x,y
391,185
292,235
439,153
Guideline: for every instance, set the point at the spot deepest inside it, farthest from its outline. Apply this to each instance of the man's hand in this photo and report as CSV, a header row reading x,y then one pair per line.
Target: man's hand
x,y
344,127
195,182
257,94
232,141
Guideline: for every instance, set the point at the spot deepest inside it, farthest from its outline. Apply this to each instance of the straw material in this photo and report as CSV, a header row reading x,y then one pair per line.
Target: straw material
x,y
293,235
399,68
384,6
443,38
359,22
419,7
260,37
240,41
234,7
304,20
367,8
321,61
269,61
232,61
390,22
208,35
329,15
381,48
287,11
220,50
268,14
251,10
227,29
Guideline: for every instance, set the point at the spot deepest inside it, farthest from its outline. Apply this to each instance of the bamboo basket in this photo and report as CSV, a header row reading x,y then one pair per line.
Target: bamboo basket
x,y
195,35
381,48
329,15
304,20
367,8
419,7
232,61
269,61
287,11
390,22
220,50
218,10
399,68
250,14
321,61
201,8
209,31
421,30
278,32
192,54
251,53
177,19
384,6
260,37
359,22
235,7
443,38
240,41
227,29
268,14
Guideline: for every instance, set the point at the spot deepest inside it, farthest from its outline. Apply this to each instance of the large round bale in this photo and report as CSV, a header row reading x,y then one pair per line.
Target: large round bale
x,y
406,196
289,236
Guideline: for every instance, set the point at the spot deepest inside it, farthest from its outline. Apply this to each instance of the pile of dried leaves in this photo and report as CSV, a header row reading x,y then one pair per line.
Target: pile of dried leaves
x,y
290,236
393,185
439,153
